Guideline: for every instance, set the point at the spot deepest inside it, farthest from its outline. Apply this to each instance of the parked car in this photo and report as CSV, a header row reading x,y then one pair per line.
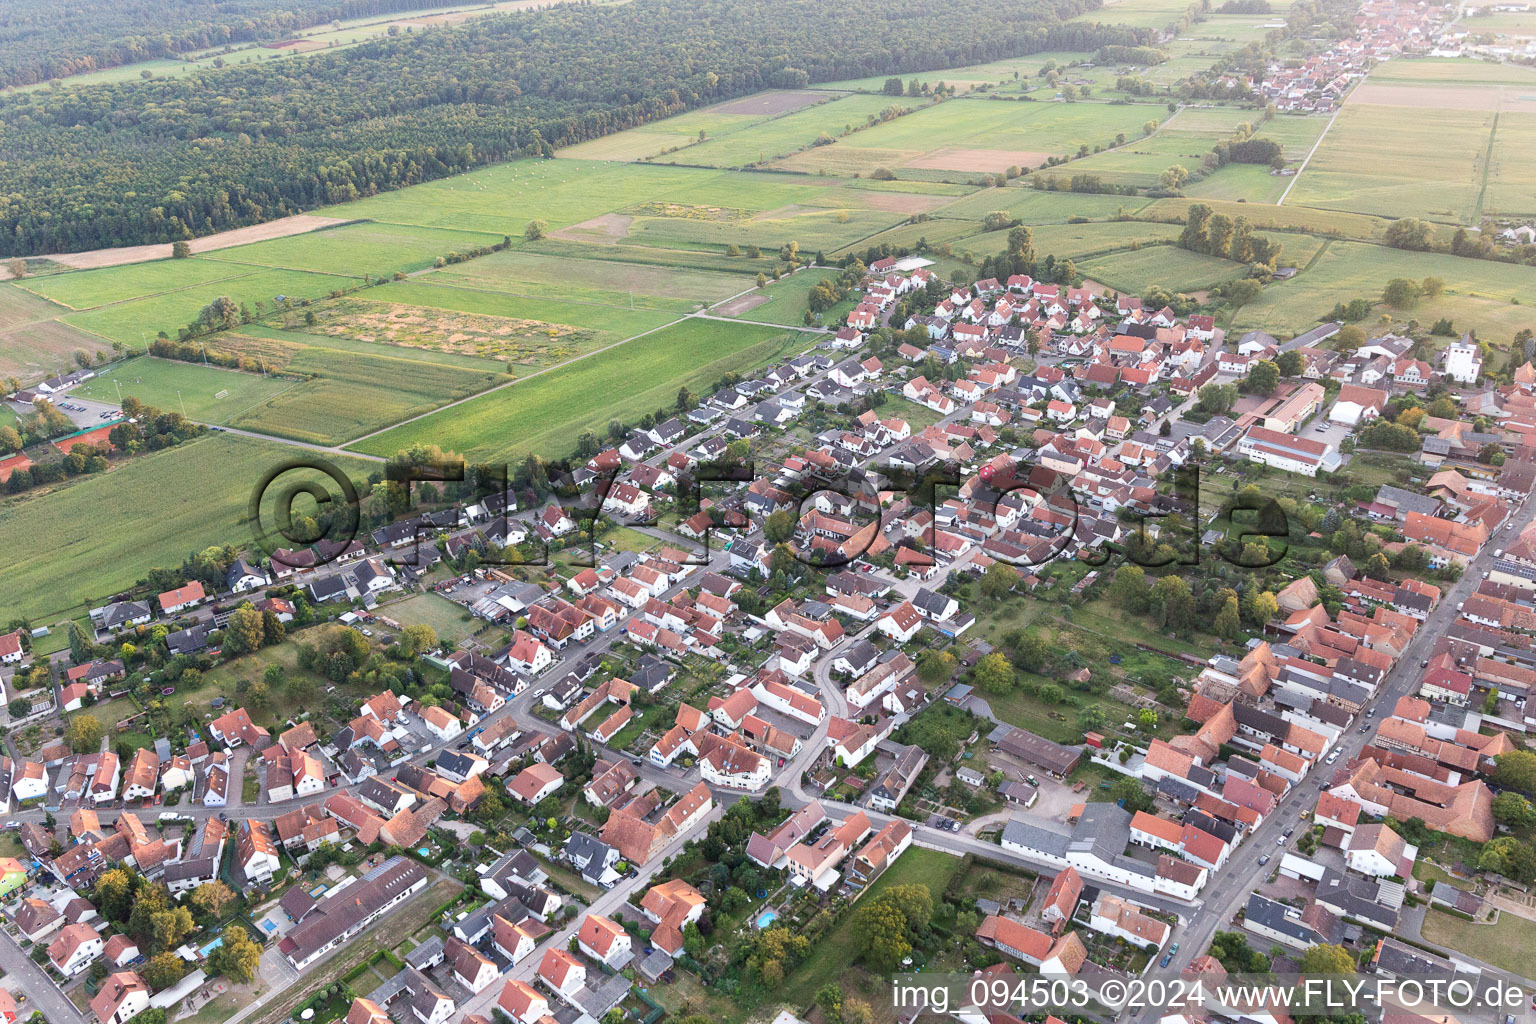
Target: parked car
x,y
1264,860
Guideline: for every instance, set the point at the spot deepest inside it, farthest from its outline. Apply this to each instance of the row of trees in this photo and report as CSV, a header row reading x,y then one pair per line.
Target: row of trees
x,y
1216,234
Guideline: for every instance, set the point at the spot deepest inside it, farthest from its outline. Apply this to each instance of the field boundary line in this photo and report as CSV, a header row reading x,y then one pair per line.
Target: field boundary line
x,y
1482,192
505,384
524,295
136,298
1310,154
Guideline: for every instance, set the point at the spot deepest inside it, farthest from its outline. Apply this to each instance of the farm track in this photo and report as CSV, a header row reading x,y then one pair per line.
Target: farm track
x,y
1482,192
1310,154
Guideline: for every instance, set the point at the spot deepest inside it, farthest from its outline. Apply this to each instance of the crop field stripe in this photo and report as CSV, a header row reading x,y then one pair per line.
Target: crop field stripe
x,y
1482,192
515,381
1310,153
506,425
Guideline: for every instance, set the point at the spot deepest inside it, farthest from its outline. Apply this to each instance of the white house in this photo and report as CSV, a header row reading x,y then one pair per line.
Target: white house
x,y
1462,361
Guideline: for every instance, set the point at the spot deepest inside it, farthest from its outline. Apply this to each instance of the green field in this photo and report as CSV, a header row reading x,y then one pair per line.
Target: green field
x,y
174,386
1080,240
357,249
939,140
1399,162
132,322
349,394
770,138
1510,944
1037,206
612,323
32,342
787,300
88,289
503,198
545,414
583,281
1478,292
1511,172
71,547
451,621
727,136
1167,266
836,951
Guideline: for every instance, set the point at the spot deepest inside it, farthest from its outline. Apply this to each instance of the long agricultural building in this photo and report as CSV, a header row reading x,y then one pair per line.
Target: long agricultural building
x,y
346,911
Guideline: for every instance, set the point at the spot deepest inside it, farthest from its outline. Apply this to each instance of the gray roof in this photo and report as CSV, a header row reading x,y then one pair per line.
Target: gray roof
x,y
1276,917
1021,833
1407,501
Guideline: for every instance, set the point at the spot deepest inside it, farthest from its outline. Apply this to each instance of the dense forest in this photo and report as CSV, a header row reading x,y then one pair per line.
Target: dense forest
x,y
153,161
43,39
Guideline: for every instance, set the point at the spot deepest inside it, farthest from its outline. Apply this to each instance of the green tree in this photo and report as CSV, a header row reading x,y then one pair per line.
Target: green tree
x,y
1325,958
1512,809
1128,588
163,970
1263,377
1516,770
935,666
115,890
534,231
998,581
418,638
779,527
1132,795
79,644
1227,623
1401,293
243,633
238,957
84,733
180,250
994,674
886,926
1289,363
212,898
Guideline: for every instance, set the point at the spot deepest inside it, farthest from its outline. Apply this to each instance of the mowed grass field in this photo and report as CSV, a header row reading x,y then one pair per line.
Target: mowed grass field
x,y
577,280
971,136
172,386
786,301
1511,170
547,413
134,321
70,547
349,394
1167,266
357,249
1478,293
730,138
32,341
1399,161
765,140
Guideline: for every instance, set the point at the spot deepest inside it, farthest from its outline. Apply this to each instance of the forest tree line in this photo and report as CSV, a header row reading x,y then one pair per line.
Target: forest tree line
x,y
44,39
135,162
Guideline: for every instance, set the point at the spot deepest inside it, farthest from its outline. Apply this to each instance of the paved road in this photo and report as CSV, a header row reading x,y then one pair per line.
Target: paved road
x,y
41,992
1243,873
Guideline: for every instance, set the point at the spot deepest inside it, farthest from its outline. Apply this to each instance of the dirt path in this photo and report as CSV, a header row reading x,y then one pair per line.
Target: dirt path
x,y
298,224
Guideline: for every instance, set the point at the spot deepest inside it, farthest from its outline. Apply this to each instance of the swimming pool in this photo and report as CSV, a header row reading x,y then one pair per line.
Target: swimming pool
x,y
215,944
766,918
270,927
424,851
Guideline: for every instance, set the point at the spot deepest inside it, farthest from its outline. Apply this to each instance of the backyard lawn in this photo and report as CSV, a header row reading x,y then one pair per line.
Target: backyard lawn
x,y
1510,944
836,951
